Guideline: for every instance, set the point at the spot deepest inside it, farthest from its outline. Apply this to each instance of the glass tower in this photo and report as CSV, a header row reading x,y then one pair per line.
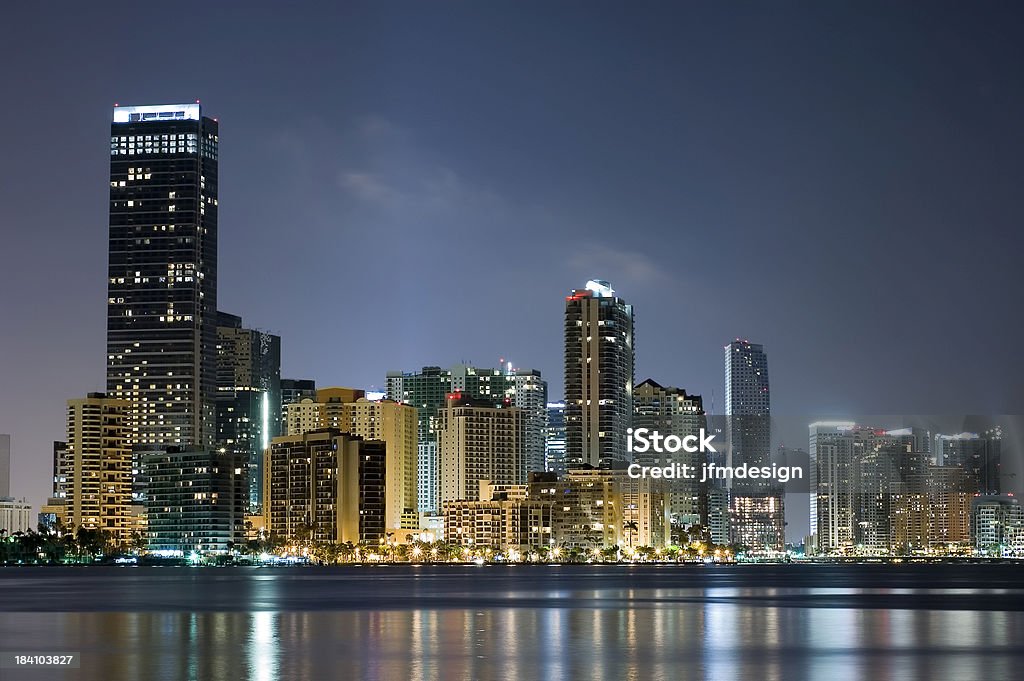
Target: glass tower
x,y
162,274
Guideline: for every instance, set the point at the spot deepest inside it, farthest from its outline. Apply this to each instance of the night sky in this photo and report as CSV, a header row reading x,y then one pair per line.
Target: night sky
x,y
422,183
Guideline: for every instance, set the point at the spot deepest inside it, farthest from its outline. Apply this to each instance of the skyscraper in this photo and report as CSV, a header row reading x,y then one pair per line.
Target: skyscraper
x,y
162,273
756,508
248,396
479,439
671,411
599,366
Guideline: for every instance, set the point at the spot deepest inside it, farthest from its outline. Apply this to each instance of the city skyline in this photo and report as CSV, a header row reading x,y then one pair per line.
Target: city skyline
x,y
363,200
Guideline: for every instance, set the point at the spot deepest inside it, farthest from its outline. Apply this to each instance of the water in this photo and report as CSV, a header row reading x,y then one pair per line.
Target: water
x,y
520,622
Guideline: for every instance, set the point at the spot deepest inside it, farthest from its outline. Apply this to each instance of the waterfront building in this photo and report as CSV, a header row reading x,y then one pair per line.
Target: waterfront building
x,y
503,519
950,490
992,517
93,480
197,501
325,485
587,505
869,489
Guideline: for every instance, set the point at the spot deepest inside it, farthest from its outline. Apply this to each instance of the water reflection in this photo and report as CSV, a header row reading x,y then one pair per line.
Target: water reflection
x,y
733,632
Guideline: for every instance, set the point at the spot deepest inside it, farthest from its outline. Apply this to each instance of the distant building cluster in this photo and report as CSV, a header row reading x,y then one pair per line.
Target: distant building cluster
x,y
199,446
906,492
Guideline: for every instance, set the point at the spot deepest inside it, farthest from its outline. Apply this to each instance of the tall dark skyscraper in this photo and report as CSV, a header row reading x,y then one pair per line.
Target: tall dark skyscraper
x,y
162,278
756,507
599,365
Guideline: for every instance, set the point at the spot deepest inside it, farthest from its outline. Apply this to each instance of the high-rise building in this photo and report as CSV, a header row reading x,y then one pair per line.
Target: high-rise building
x,y
325,485
479,439
162,273
554,439
587,507
671,411
248,396
5,465
599,368
994,518
756,521
950,490
980,455
395,425
197,500
428,389
93,479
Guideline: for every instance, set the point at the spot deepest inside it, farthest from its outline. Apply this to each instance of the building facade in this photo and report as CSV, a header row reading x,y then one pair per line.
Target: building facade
x,y
554,439
499,520
325,485
980,455
197,501
294,390
599,369
755,506
93,476
870,489
15,516
671,411
996,522
479,439
162,273
395,424
428,391
248,396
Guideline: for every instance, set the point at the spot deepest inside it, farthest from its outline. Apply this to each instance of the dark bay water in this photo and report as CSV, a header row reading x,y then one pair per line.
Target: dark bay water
x,y
520,622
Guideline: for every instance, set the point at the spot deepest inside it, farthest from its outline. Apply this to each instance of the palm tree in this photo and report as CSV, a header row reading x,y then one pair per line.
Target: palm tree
x,y
631,527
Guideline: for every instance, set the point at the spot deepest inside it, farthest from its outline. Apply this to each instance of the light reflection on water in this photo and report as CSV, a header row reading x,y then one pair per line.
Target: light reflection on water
x,y
640,633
